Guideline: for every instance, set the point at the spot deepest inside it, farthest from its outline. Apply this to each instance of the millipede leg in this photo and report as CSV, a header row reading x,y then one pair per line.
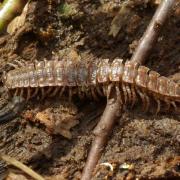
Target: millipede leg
x,y
118,93
158,106
10,94
28,94
87,93
142,97
21,92
83,91
174,105
16,92
42,93
70,94
104,87
109,89
94,94
54,92
80,93
62,91
128,90
167,104
124,93
35,92
99,91
49,90
147,102
133,96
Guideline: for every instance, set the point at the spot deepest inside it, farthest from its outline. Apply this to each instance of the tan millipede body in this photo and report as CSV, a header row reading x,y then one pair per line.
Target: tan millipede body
x,y
93,79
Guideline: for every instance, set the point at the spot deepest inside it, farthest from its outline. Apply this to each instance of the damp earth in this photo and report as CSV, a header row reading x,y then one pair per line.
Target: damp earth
x,y
53,136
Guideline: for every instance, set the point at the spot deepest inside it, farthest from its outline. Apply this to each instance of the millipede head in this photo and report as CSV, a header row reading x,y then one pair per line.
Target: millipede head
x,y
116,70
103,71
130,72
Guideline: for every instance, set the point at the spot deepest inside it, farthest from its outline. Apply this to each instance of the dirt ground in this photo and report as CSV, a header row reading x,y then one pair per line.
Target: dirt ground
x,y
142,145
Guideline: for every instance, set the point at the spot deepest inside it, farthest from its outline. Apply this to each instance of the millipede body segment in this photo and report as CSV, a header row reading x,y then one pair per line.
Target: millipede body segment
x,y
129,79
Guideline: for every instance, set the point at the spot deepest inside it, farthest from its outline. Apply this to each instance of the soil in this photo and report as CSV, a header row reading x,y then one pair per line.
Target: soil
x,y
142,145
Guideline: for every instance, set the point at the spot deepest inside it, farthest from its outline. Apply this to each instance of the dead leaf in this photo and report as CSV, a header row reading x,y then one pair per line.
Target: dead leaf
x,y
57,124
121,19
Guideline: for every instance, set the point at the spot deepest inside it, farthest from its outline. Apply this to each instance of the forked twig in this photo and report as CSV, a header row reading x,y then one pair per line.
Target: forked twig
x,y
107,121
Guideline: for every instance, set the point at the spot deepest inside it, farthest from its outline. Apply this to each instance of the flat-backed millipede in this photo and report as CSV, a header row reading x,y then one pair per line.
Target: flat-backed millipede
x,y
129,79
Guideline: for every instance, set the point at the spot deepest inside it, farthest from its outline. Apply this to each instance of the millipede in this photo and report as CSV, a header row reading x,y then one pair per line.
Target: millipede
x,y
92,79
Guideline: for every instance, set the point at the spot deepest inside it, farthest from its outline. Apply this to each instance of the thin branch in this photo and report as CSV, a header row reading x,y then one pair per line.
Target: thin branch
x,y
101,132
107,121
152,32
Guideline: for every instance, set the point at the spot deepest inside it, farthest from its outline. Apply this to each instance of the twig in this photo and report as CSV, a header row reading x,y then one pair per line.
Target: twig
x,y
101,132
21,166
151,34
107,121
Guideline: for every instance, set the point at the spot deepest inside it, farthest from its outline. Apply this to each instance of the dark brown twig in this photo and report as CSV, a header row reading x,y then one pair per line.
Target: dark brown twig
x,y
151,34
107,121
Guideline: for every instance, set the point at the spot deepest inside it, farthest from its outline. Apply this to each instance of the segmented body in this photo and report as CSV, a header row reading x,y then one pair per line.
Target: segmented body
x,y
129,79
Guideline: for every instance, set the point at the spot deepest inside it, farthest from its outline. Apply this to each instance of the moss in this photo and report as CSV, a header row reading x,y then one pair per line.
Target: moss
x,y
67,10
